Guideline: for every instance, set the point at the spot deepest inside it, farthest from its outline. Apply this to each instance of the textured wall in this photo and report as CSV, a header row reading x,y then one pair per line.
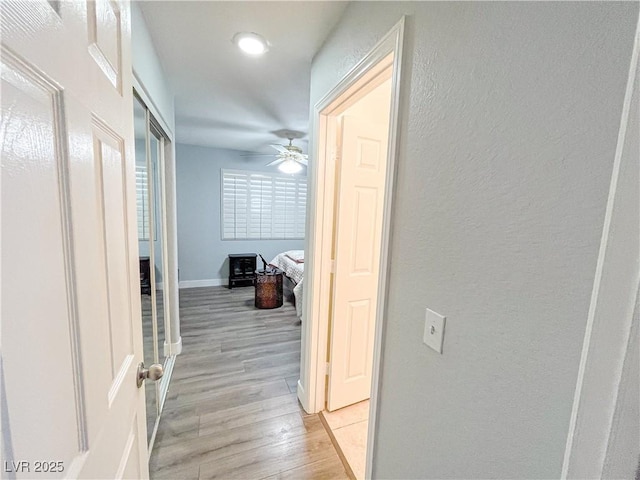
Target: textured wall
x,y
611,317
148,69
509,122
623,454
202,255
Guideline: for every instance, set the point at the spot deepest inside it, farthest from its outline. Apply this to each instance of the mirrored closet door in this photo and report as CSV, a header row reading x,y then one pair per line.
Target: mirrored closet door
x,y
150,196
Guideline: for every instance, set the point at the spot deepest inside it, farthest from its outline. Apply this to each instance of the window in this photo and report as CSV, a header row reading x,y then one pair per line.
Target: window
x,y
142,196
262,206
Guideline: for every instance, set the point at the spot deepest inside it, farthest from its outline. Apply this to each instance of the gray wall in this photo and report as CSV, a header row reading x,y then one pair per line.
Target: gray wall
x,y
611,318
623,454
509,122
148,69
202,255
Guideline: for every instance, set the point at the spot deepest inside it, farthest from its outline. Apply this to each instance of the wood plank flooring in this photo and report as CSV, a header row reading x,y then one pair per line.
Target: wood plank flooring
x,y
232,410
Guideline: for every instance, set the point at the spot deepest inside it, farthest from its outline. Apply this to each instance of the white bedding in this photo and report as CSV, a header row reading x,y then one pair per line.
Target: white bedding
x,y
297,293
294,270
291,268
295,255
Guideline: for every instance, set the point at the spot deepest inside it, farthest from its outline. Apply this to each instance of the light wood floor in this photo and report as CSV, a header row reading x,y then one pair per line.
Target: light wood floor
x,y
231,410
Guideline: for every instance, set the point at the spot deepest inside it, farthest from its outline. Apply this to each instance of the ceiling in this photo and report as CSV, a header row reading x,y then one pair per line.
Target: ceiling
x,y
224,98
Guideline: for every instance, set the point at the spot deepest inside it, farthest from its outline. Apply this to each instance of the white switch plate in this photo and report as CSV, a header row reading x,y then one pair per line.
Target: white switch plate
x,y
434,330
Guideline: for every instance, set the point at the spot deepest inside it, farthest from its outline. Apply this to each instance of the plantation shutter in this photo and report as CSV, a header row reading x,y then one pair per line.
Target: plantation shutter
x,y
262,206
142,200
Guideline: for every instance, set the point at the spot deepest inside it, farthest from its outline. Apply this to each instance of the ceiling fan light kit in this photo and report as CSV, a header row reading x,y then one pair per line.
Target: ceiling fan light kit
x,y
251,43
290,158
290,166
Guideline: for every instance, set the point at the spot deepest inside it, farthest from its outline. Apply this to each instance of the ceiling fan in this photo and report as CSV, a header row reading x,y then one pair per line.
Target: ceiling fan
x,y
289,158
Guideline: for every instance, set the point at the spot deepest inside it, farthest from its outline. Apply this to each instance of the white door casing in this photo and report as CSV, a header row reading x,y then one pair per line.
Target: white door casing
x,y
362,166
71,329
388,51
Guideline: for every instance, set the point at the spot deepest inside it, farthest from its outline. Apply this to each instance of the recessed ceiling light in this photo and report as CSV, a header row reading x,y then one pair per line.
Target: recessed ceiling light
x,y
251,43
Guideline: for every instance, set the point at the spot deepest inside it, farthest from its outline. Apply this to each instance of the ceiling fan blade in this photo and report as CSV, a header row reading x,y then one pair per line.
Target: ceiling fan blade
x,y
280,148
256,154
275,162
303,161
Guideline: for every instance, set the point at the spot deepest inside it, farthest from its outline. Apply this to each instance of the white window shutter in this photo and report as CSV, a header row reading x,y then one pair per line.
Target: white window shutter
x,y
262,206
142,200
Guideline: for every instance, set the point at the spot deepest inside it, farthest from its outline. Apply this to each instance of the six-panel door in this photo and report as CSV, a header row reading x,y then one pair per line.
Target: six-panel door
x,y
71,331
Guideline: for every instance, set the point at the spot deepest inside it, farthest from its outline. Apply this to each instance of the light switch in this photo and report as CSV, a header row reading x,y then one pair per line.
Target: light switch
x,y
434,330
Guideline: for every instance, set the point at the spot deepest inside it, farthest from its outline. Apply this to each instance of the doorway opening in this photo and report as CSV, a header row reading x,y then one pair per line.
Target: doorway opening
x,y
351,193
361,133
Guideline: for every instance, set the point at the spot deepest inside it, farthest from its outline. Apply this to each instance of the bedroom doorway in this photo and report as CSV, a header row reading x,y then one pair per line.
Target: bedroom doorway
x,y
360,180
351,194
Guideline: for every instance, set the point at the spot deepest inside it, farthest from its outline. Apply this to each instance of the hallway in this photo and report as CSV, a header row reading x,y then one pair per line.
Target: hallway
x,y
231,410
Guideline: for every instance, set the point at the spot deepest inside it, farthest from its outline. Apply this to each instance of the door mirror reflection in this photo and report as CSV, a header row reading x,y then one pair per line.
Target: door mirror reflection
x,y
150,199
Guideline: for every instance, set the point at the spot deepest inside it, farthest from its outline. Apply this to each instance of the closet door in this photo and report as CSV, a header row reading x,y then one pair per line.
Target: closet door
x,y
150,144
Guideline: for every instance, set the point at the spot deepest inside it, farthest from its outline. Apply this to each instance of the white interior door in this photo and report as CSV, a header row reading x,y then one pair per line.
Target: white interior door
x,y
71,330
357,256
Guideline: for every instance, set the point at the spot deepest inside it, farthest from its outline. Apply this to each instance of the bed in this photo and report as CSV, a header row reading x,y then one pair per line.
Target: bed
x,y
292,264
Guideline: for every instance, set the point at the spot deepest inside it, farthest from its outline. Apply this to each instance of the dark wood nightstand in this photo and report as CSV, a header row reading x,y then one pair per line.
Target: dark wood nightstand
x,y
242,268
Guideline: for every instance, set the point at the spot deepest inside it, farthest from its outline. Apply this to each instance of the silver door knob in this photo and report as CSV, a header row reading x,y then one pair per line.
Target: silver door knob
x,y
154,372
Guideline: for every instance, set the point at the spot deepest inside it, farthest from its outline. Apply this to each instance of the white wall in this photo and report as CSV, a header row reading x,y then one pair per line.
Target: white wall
x,y
202,253
509,124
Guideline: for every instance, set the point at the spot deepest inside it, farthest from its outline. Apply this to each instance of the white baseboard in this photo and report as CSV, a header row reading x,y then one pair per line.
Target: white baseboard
x,y
209,282
174,348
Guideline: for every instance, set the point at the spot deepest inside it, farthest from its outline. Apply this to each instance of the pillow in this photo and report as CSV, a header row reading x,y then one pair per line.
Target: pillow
x,y
295,255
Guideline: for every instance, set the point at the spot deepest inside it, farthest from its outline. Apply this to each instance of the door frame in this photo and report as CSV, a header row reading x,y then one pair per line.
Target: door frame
x,y
606,341
320,219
